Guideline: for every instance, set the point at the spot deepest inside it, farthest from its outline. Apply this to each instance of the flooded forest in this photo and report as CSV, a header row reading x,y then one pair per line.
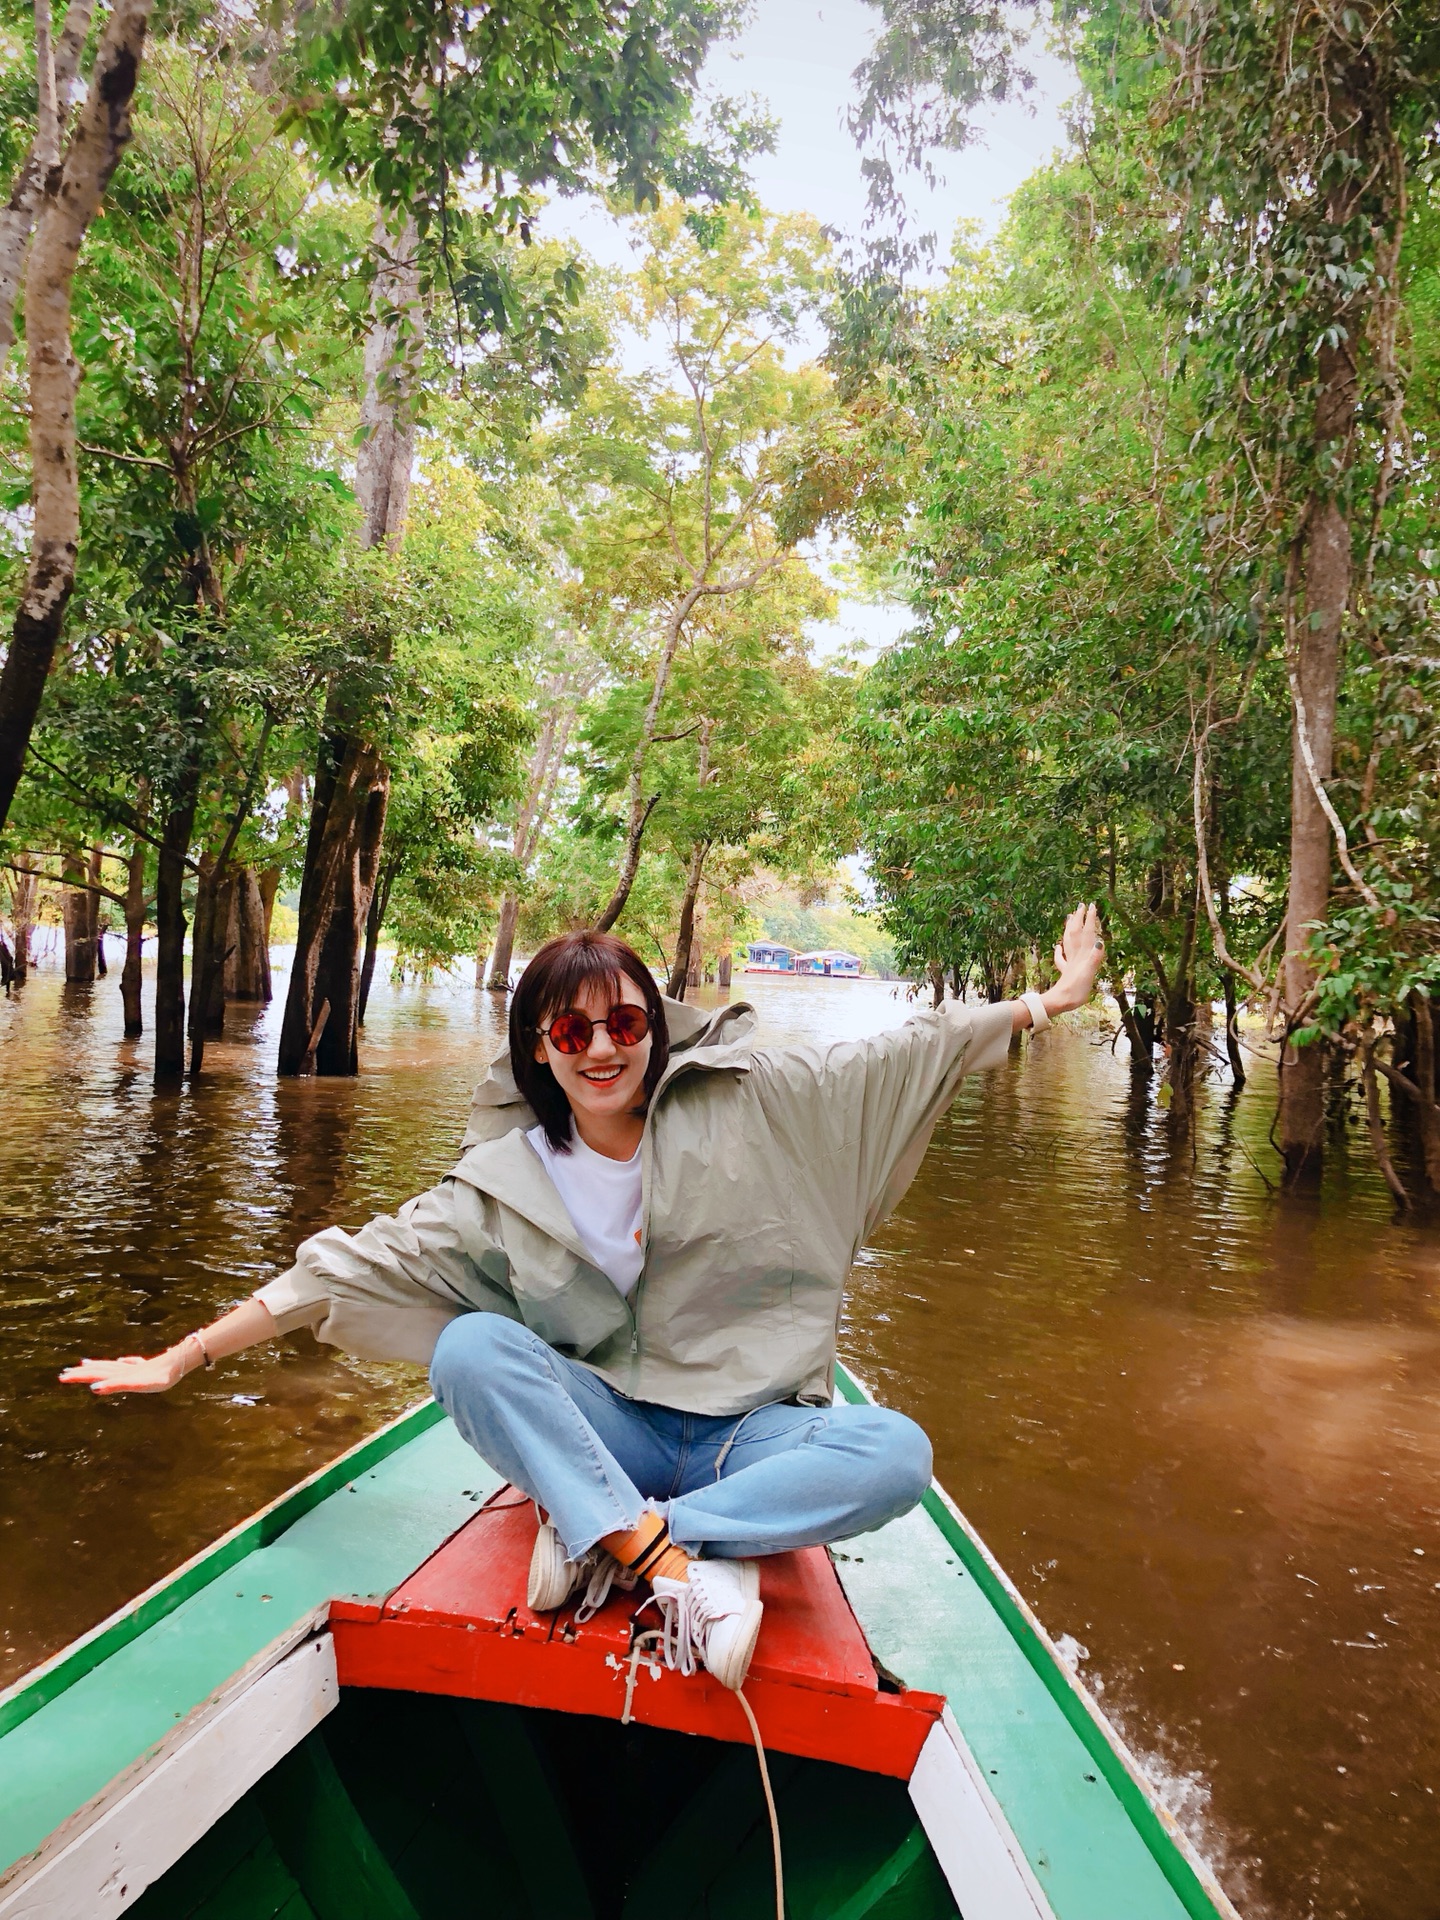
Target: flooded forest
x,y
399,571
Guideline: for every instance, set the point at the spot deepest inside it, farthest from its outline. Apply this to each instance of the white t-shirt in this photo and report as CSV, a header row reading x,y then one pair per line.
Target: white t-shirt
x,y
602,1198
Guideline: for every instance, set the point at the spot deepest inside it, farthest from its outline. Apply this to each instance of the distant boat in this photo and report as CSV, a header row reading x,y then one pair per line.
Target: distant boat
x,y
833,962
344,1710
764,956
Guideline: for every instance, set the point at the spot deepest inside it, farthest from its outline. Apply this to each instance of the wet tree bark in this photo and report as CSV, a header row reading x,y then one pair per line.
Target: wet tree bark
x,y
352,787
722,972
73,196
170,932
247,940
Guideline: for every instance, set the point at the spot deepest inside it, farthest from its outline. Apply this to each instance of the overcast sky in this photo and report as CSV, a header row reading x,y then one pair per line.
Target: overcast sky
x,y
799,56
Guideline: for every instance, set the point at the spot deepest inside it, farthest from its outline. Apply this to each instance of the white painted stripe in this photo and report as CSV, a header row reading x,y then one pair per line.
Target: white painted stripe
x,y
979,1855
106,1866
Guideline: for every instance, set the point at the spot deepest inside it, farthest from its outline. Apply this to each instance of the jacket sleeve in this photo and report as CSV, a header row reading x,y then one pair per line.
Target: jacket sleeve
x,y
387,1291
858,1116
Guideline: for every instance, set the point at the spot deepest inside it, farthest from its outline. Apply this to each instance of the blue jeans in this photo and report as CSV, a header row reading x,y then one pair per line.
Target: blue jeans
x,y
740,1484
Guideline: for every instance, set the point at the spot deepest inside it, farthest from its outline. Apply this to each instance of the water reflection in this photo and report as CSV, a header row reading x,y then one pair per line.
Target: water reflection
x,y
1199,1424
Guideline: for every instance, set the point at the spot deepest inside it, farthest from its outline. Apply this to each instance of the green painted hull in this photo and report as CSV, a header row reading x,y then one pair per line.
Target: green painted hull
x,y
402,1804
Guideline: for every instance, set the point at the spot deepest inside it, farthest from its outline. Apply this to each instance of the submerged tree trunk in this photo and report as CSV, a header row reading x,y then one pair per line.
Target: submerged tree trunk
x,y
375,920
1315,669
170,933
680,970
247,940
134,940
72,200
352,786
347,824
209,954
1180,1023
504,949
80,914
23,888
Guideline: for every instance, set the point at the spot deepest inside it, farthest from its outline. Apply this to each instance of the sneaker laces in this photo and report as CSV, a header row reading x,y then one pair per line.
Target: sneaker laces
x,y
684,1618
606,1572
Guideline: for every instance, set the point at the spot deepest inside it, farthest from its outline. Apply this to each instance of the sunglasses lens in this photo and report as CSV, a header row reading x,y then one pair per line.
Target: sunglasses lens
x,y
570,1033
628,1025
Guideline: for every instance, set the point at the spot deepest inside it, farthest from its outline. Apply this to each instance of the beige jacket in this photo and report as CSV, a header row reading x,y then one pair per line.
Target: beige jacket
x,y
765,1170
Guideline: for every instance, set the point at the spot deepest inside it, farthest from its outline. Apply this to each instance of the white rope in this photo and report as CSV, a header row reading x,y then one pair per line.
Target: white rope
x,y
769,1804
641,1641
637,1651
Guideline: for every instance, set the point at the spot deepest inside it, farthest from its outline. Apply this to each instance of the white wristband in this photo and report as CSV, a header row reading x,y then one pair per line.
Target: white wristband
x,y
1039,1016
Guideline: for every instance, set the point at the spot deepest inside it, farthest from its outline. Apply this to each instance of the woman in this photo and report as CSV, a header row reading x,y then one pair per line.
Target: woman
x,y
628,1289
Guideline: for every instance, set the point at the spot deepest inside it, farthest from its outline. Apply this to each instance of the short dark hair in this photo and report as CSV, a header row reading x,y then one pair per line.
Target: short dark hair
x,y
548,986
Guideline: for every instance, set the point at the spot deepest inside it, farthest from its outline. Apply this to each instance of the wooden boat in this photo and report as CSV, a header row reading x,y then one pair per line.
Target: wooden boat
x,y
344,1710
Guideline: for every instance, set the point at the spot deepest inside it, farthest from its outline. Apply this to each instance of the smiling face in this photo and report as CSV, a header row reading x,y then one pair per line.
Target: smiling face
x,y
605,1083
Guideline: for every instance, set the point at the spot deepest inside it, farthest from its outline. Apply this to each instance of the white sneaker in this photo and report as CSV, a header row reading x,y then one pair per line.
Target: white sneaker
x,y
712,1619
555,1580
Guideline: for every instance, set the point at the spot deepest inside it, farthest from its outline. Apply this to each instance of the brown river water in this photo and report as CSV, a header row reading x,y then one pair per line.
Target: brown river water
x,y
1199,1425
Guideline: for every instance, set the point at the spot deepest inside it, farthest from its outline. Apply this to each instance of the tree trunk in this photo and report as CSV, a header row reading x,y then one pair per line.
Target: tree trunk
x,y
209,954
639,809
23,888
1424,1074
347,823
7,966
352,785
80,913
500,959
387,419
374,921
170,934
1180,1028
247,957
1316,670
722,971
27,189
936,973
269,884
680,971
134,939
72,200
1232,1029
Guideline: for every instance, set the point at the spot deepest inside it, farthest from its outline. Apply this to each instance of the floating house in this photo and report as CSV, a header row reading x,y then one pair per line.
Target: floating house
x,y
831,961
764,956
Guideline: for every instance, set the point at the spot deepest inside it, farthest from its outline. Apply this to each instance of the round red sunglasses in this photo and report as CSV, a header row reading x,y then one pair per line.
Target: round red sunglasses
x,y
572,1032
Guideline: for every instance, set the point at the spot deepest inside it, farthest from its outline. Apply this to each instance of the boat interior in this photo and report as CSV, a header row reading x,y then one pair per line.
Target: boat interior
x,y
404,1806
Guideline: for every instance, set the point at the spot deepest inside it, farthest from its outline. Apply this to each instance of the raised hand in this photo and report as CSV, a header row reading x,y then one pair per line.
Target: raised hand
x,y
1079,956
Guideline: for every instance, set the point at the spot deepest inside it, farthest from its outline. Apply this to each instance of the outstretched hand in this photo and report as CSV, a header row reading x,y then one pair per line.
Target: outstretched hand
x,y
1079,957
135,1373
